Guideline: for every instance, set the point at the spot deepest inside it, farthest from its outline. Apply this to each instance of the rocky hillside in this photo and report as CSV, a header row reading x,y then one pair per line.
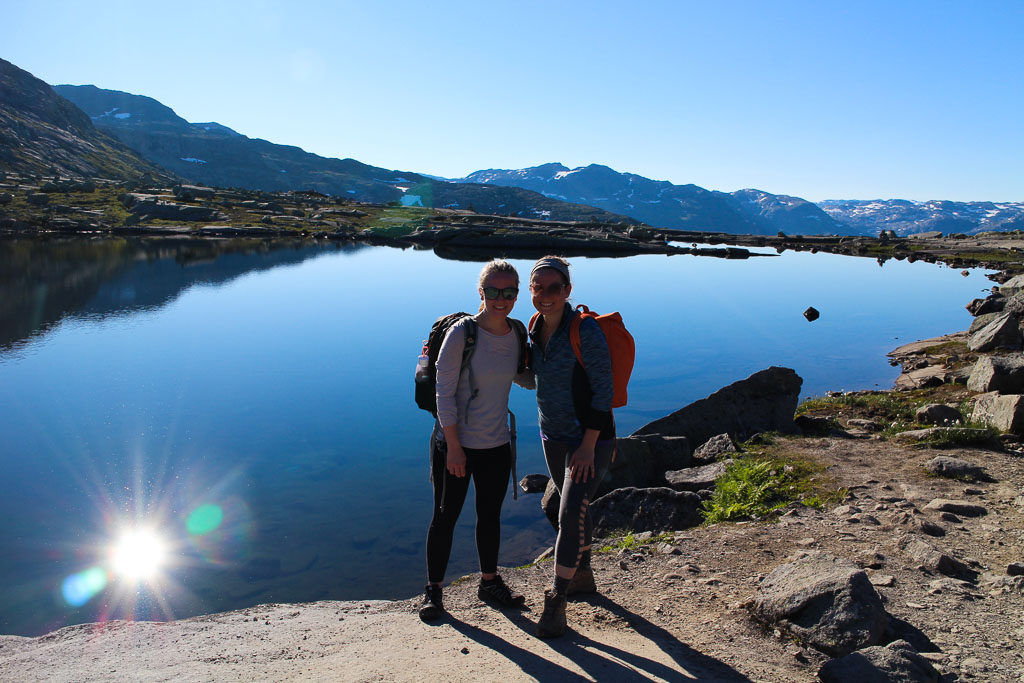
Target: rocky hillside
x,y
213,154
663,204
43,133
905,217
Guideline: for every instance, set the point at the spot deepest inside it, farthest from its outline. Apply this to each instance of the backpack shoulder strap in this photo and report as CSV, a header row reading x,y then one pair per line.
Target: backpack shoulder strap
x,y
470,326
520,330
574,333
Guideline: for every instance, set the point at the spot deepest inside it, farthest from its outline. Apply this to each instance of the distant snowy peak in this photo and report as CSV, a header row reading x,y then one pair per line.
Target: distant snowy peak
x,y
663,204
906,216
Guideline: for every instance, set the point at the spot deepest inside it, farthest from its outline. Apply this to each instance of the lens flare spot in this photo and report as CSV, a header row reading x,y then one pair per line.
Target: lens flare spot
x,y
138,554
204,519
80,588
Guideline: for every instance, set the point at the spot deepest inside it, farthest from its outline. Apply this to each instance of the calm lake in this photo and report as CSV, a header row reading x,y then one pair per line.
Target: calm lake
x,y
253,403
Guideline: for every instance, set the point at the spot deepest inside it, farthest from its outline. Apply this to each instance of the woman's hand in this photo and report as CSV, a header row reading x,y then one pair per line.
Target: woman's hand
x,y
581,464
456,460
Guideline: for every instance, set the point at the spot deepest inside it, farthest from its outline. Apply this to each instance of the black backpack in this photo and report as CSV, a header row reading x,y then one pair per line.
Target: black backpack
x,y
426,378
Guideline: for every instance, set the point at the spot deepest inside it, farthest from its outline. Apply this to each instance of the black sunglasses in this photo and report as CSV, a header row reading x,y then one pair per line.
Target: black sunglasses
x,y
507,293
550,290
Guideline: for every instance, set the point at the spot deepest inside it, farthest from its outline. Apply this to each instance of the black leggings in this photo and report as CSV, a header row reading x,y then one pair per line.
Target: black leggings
x,y
575,527
490,469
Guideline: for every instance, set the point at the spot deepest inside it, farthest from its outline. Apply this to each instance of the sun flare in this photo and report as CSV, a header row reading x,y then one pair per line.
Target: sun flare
x,y
139,554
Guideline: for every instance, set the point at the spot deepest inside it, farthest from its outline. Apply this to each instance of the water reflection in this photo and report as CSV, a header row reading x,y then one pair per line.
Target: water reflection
x,y
44,280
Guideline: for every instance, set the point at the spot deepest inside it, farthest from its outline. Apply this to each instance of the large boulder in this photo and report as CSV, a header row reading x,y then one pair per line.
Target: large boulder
x,y
827,602
1014,285
980,321
650,509
897,662
641,461
763,402
1004,412
991,304
1002,333
1004,374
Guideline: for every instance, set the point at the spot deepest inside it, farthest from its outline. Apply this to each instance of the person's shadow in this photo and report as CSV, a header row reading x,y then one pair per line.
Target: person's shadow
x,y
601,660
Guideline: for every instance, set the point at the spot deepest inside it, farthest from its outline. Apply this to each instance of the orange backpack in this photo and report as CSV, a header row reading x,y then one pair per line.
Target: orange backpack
x,y
621,347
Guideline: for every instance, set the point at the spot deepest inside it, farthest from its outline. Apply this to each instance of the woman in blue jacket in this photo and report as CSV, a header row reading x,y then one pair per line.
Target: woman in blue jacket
x,y
577,430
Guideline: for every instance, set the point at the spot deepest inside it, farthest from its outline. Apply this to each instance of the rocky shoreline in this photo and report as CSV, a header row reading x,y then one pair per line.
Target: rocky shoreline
x,y
902,562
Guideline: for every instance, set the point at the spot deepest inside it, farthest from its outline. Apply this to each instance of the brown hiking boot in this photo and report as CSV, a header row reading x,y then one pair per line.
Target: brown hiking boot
x,y
582,581
552,621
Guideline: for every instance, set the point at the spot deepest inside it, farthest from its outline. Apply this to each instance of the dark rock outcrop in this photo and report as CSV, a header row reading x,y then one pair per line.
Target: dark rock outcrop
x,y
763,402
641,461
650,509
937,414
825,601
897,661
534,483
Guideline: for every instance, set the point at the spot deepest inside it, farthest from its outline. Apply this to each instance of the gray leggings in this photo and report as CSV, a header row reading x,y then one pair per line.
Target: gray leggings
x,y
575,528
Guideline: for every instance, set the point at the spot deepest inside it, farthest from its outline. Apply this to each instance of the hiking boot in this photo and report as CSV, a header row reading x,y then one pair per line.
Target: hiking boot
x,y
582,581
497,593
552,621
432,607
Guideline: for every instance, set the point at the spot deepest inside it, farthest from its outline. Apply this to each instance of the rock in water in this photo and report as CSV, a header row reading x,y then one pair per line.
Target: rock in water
x,y
811,314
534,483
825,601
763,402
897,661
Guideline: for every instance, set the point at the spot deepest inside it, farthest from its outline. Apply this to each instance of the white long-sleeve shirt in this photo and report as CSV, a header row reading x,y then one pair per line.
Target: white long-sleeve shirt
x,y
482,422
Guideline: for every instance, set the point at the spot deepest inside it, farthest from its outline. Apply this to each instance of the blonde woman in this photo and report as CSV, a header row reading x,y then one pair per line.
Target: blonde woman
x,y
472,412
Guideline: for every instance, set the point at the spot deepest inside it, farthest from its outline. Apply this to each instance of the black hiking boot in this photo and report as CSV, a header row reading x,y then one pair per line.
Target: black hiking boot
x,y
552,621
497,593
432,607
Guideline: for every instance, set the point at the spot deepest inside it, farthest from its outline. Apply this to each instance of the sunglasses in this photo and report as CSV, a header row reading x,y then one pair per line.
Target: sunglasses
x,y
507,293
550,290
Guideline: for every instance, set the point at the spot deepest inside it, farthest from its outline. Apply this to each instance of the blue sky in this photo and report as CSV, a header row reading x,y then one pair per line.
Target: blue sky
x,y
914,100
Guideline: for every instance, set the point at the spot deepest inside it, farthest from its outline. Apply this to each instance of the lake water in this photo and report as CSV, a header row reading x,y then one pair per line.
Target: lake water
x,y
253,403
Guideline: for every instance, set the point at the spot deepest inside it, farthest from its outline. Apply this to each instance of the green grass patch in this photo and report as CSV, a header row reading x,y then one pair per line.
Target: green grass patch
x,y
971,434
890,404
629,541
947,348
758,485
399,221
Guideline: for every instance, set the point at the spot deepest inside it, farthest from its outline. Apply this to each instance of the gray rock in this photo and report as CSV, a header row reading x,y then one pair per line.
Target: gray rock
x,y
1004,412
1014,285
867,425
37,198
188,192
825,601
813,426
549,503
641,461
1015,569
955,468
1002,332
937,414
991,304
763,402
921,434
1004,374
176,212
716,446
632,466
669,452
957,507
696,478
1015,305
933,559
897,662
981,320
650,509
534,483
